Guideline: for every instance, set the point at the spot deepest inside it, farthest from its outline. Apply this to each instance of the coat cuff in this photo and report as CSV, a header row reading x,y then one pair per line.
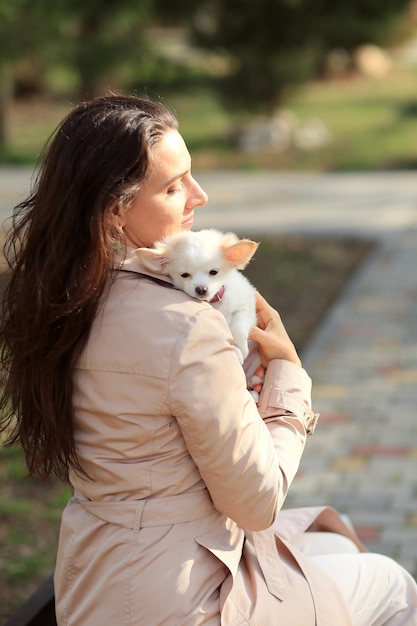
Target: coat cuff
x,y
287,390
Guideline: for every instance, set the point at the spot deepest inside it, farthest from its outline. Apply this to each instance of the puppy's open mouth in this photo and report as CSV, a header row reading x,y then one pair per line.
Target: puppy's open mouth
x,y
202,294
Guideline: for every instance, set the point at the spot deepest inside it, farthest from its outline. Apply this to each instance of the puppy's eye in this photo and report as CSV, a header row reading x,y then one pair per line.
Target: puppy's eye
x,y
213,272
185,275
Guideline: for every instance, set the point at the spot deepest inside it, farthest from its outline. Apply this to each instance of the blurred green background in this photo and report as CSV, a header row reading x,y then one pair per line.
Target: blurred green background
x,y
290,84
323,85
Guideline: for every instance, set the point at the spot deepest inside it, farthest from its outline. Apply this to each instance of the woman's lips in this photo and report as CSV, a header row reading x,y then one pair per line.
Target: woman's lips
x,y
188,222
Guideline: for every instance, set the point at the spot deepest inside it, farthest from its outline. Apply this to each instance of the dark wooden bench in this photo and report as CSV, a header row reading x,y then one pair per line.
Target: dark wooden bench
x,y
39,609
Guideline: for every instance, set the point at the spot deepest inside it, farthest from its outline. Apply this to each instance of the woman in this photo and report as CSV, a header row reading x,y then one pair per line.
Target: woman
x,y
132,390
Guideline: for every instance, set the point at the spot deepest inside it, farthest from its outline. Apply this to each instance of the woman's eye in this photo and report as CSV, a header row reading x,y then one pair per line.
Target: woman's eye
x,y
175,189
213,272
185,275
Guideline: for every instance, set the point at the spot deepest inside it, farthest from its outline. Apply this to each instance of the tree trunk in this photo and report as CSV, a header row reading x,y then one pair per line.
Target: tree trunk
x,y
5,100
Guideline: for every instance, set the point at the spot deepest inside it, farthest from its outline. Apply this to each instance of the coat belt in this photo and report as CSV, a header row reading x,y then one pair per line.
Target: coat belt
x,y
147,512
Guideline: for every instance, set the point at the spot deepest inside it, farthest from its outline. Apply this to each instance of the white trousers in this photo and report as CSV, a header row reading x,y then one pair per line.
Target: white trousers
x,y
378,591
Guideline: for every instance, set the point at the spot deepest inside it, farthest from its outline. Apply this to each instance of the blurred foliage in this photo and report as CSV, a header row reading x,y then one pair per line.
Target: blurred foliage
x,y
101,38
275,45
91,37
268,45
93,41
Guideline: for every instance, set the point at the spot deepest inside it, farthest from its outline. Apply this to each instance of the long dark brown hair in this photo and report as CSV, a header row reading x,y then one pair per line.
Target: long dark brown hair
x,y
60,253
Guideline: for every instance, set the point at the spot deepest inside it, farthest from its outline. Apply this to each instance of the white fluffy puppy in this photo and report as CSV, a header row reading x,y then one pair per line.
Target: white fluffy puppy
x,y
205,265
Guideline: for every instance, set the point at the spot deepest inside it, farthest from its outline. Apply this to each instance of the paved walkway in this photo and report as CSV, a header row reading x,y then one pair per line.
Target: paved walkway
x,y
363,358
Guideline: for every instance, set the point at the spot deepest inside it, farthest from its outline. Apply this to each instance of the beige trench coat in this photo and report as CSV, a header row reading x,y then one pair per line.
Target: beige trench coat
x,y
174,526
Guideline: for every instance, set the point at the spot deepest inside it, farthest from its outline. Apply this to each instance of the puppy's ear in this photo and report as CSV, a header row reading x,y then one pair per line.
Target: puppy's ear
x,y
239,254
154,259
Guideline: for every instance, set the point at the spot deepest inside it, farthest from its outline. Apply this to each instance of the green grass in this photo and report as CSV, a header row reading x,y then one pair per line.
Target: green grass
x,y
373,124
30,512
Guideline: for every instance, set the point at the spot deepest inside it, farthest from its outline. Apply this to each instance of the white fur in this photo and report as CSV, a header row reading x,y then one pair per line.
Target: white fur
x,y
201,263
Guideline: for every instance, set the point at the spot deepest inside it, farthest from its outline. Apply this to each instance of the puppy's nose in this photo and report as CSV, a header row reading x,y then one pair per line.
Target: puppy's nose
x,y
201,290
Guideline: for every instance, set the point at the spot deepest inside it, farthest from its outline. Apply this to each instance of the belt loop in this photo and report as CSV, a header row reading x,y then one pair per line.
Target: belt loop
x,y
138,515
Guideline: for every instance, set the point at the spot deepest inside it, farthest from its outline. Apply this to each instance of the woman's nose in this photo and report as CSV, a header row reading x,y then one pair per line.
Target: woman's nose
x,y
198,196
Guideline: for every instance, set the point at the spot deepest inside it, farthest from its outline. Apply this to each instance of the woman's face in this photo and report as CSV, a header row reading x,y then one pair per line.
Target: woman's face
x,y
166,202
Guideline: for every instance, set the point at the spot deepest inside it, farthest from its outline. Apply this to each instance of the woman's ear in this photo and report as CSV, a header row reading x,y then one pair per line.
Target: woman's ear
x,y
118,216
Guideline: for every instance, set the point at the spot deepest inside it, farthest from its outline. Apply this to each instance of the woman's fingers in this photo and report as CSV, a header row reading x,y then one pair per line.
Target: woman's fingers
x,y
270,334
264,311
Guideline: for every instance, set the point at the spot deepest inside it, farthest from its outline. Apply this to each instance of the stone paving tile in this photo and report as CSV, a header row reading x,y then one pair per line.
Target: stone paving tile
x,y
364,366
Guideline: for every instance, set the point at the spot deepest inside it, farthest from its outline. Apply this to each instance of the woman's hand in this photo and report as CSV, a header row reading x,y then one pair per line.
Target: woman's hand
x,y
271,336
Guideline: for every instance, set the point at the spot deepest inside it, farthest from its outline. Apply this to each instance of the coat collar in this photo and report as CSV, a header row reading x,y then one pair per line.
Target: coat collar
x,y
130,263
219,295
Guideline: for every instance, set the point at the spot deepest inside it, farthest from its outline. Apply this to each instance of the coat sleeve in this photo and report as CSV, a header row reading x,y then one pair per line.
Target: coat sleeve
x,y
246,462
